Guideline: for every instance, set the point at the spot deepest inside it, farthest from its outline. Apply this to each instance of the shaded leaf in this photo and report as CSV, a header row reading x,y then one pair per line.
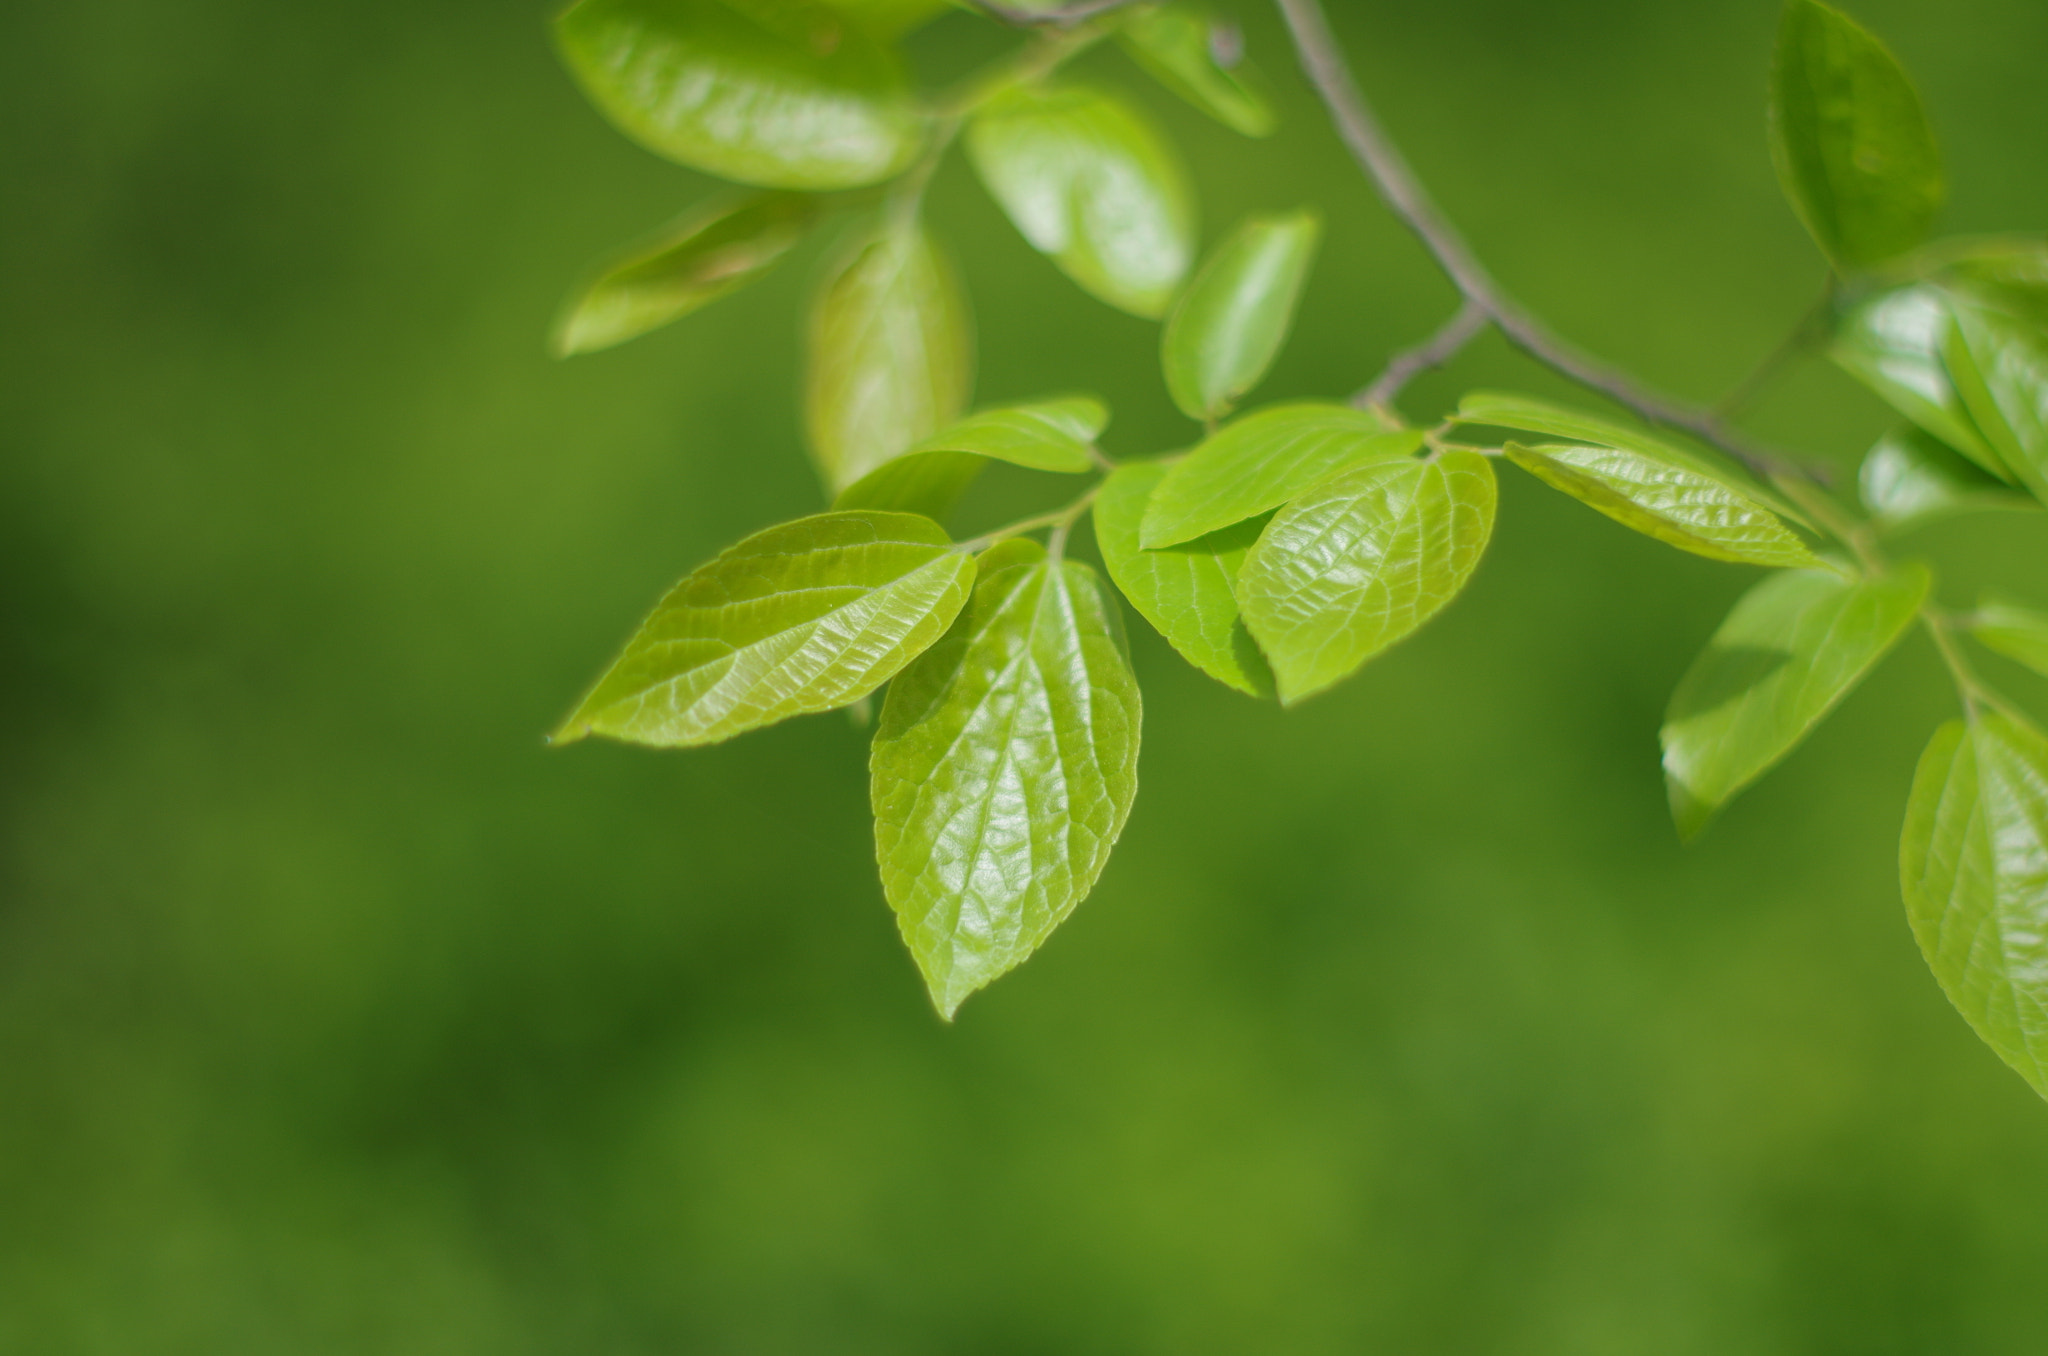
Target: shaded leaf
x,y
890,358
1188,592
705,256
1850,139
2000,368
1229,324
1973,863
2015,631
1090,183
1361,560
1004,768
929,483
1793,647
1200,60
1262,461
1894,343
800,618
1048,435
1911,476
808,102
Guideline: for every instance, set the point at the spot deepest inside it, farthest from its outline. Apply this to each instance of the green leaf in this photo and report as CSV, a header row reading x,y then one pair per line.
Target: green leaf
x,y
1850,139
929,483
1228,326
1360,560
1792,648
1049,435
800,618
891,354
2000,368
1262,461
2015,631
1188,592
1894,343
1089,182
1911,477
1200,60
704,256
1004,768
1973,862
814,102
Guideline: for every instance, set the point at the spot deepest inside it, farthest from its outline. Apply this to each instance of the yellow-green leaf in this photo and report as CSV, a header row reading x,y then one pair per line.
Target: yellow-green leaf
x,y
1896,343
1202,61
1229,324
1910,477
1047,435
2014,630
1999,365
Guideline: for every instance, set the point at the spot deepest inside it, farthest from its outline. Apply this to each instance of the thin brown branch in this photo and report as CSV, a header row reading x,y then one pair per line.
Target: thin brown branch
x,y
1384,165
1450,340
1056,16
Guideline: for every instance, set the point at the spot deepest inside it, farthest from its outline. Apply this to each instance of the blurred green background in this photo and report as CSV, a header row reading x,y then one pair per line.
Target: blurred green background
x,y
337,1014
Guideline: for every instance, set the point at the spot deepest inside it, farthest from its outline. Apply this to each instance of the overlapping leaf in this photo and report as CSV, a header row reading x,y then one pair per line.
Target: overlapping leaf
x,y
1188,592
809,101
1361,560
1789,652
1200,60
800,618
1851,141
1974,865
705,256
1894,343
1048,435
1089,182
1910,477
2015,631
1260,462
890,355
1004,768
1228,326
1999,365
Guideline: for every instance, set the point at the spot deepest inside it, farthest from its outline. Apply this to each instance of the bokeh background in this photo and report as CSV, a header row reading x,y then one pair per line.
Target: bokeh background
x,y
338,1015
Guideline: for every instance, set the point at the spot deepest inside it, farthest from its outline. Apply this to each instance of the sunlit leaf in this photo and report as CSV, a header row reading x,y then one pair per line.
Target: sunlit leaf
x,y
1089,182
1188,592
1262,461
803,617
1792,648
813,102
1004,768
1894,343
1230,323
2014,630
1851,141
1361,560
2000,368
1974,865
1911,476
1049,435
706,255
890,357
1202,61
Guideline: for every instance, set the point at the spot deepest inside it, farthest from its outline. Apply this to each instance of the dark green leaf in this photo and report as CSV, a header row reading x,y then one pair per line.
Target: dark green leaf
x,y
1189,592
2000,368
1200,60
1894,344
1004,769
891,354
1228,326
1911,476
1089,182
1361,560
2014,631
813,102
803,617
706,255
1792,648
1974,865
1262,461
1851,141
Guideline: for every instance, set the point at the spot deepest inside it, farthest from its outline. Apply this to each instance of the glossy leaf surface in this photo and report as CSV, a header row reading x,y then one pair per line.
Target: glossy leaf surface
x,y
890,356
1911,477
1262,461
1090,183
1895,344
1793,647
705,256
1850,139
1004,769
1201,61
1188,592
1046,435
800,618
809,101
1361,560
1973,862
2000,368
2014,630
1231,321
